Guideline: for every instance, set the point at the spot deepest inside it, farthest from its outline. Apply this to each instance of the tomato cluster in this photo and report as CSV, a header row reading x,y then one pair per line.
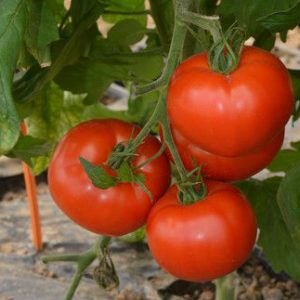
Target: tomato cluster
x,y
230,125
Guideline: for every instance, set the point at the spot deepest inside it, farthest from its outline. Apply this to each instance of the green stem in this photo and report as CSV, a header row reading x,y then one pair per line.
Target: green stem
x,y
160,112
56,258
209,23
224,287
74,284
83,261
172,62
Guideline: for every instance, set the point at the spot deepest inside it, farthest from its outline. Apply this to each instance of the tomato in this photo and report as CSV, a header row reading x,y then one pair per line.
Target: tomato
x,y
226,168
230,115
117,210
205,240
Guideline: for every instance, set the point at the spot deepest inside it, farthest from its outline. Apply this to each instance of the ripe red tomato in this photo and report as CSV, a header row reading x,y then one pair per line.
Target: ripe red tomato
x,y
230,115
205,240
114,211
226,168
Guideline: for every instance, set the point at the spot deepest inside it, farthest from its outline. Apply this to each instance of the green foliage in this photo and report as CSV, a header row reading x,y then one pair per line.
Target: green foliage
x,y
126,8
13,16
295,76
81,64
109,62
277,238
285,159
142,107
127,32
163,15
35,152
282,20
260,19
288,198
41,31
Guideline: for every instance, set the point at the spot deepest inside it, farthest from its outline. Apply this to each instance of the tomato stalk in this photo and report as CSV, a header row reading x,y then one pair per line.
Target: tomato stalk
x,y
225,287
83,261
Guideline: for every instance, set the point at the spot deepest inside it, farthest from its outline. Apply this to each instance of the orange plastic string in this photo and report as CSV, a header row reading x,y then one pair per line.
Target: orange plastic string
x,y
30,185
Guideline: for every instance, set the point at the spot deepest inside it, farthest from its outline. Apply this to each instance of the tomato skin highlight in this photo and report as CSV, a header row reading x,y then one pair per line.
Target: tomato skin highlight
x,y
114,211
205,240
226,168
231,115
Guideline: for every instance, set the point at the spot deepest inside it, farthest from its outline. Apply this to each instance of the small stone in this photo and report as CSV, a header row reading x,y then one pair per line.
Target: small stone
x,y
248,270
207,295
264,279
272,294
281,285
291,286
7,248
174,297
259,271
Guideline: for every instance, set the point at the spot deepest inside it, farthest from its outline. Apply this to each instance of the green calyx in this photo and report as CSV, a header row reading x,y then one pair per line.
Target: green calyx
x,y
224,55
119,169
192,189
101,178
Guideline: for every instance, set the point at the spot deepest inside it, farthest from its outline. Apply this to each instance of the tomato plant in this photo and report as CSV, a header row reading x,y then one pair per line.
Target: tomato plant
x,y
235,113
226,168
222,107
116,210
204,240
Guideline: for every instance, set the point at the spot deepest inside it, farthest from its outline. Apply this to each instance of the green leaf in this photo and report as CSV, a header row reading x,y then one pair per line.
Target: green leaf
x,y
284,160
41,31
53,115
296,145
39,164
295,76
70,50
109,62
28,146
288,198
275,238
282,20
32,151
58,9
265,40
207,7
249,12
127,32
126,7
143,106
13,16
125,173
98,175
55,112
85,78
79,8
163,15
